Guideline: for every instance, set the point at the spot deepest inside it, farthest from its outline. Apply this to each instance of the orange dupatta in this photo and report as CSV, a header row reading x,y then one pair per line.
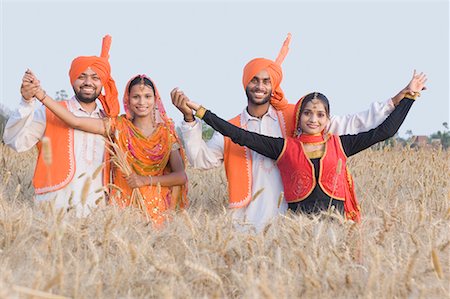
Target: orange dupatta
x,y
148,156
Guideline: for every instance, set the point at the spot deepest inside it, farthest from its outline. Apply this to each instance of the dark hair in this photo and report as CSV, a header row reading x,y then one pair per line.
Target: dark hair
x,y
316,96
141,80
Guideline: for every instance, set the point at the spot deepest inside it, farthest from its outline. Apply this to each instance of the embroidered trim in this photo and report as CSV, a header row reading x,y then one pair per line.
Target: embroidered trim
x,y
71,172
248,162
282,123
321,172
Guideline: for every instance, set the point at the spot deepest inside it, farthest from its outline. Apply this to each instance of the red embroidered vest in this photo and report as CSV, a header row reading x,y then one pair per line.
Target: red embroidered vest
x,y
299,181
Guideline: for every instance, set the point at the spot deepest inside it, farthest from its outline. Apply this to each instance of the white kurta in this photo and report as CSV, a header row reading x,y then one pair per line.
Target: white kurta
x,y
265,173
26,126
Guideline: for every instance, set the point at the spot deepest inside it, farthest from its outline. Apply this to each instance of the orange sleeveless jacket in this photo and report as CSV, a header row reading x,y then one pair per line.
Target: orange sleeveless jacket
x,y
238,161
62,169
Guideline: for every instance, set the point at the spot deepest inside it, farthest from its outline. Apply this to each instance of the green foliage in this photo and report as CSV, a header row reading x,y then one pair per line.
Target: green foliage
x,y
443,135
61,95
207,131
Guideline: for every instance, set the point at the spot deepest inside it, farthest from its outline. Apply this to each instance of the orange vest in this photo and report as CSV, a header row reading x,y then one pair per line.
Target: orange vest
x,y
62,169
238,161
299,181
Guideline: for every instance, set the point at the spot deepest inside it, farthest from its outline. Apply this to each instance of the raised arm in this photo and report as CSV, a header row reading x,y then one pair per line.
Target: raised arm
x,y
369,119
361,121
87,124
201,154
353,144
268,146
26,125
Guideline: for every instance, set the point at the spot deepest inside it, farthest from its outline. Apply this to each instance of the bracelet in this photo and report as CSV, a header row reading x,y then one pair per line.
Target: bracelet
x,y
200,112
413,97
45,95
189,120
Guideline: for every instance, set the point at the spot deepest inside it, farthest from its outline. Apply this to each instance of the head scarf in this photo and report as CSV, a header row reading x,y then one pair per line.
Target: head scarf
x,y
162,118
275,72
160,111
101,66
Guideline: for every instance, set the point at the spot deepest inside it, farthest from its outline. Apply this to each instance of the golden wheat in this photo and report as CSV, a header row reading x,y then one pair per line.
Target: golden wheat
x,y
399,250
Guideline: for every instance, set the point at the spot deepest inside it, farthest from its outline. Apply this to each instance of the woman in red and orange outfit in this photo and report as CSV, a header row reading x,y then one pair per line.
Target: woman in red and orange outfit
x,y
313,164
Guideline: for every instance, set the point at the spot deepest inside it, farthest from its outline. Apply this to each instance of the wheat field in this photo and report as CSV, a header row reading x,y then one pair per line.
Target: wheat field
x,y
401,249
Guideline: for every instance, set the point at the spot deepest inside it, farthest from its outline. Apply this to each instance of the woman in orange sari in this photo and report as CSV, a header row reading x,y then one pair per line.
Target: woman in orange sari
x,y
148,140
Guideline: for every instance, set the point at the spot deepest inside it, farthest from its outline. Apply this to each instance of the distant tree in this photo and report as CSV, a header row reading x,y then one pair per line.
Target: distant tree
x,y
61,95
444,136
207,131
410,139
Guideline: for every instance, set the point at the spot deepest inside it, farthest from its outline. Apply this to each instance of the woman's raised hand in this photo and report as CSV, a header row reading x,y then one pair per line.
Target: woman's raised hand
x,y
417,83
414,87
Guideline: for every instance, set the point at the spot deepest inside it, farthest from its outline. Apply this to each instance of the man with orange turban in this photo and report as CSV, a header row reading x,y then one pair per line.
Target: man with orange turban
x,y
69,161
268,113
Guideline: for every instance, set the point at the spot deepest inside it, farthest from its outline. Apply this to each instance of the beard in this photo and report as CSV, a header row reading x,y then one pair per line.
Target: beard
x,y
252,100
84,99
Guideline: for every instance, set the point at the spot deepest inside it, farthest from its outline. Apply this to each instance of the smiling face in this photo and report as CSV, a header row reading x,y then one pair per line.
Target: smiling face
x,y
142,100
314,117
87,86
259,89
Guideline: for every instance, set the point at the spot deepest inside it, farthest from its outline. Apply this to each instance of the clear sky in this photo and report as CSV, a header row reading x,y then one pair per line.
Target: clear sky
x,y
355,52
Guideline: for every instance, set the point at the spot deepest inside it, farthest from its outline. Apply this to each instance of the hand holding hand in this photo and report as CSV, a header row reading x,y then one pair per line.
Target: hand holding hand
x,y
179,100
30,85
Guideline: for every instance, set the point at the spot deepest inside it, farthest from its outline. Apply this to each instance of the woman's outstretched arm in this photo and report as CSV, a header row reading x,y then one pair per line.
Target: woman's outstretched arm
x,y
353,144
270,147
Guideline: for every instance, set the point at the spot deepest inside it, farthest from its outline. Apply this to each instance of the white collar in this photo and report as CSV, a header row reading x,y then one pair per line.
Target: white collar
x,y
271,112
76,106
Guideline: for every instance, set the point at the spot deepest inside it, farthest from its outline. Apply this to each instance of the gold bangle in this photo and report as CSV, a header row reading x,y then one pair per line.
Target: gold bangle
x,y
200,112
413,97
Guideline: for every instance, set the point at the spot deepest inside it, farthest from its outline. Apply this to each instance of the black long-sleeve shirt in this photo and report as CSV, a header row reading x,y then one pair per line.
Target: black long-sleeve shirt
x,y
272,147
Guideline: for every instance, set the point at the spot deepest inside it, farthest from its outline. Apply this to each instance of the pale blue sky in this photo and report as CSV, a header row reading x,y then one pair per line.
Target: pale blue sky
x,y
353,52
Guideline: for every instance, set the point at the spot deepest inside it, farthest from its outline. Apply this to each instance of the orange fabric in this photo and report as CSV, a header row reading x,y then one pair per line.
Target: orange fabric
x,y
100,65
147,157
238,162
60,173
238,169
237,159
275,72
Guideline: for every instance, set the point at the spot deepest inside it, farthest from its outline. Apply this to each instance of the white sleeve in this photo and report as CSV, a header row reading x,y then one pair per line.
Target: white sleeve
x,y
362,121
25,126
201,154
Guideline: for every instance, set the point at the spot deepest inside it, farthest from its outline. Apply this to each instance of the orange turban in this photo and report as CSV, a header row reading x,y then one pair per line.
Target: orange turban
x,y
276,74
100,65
